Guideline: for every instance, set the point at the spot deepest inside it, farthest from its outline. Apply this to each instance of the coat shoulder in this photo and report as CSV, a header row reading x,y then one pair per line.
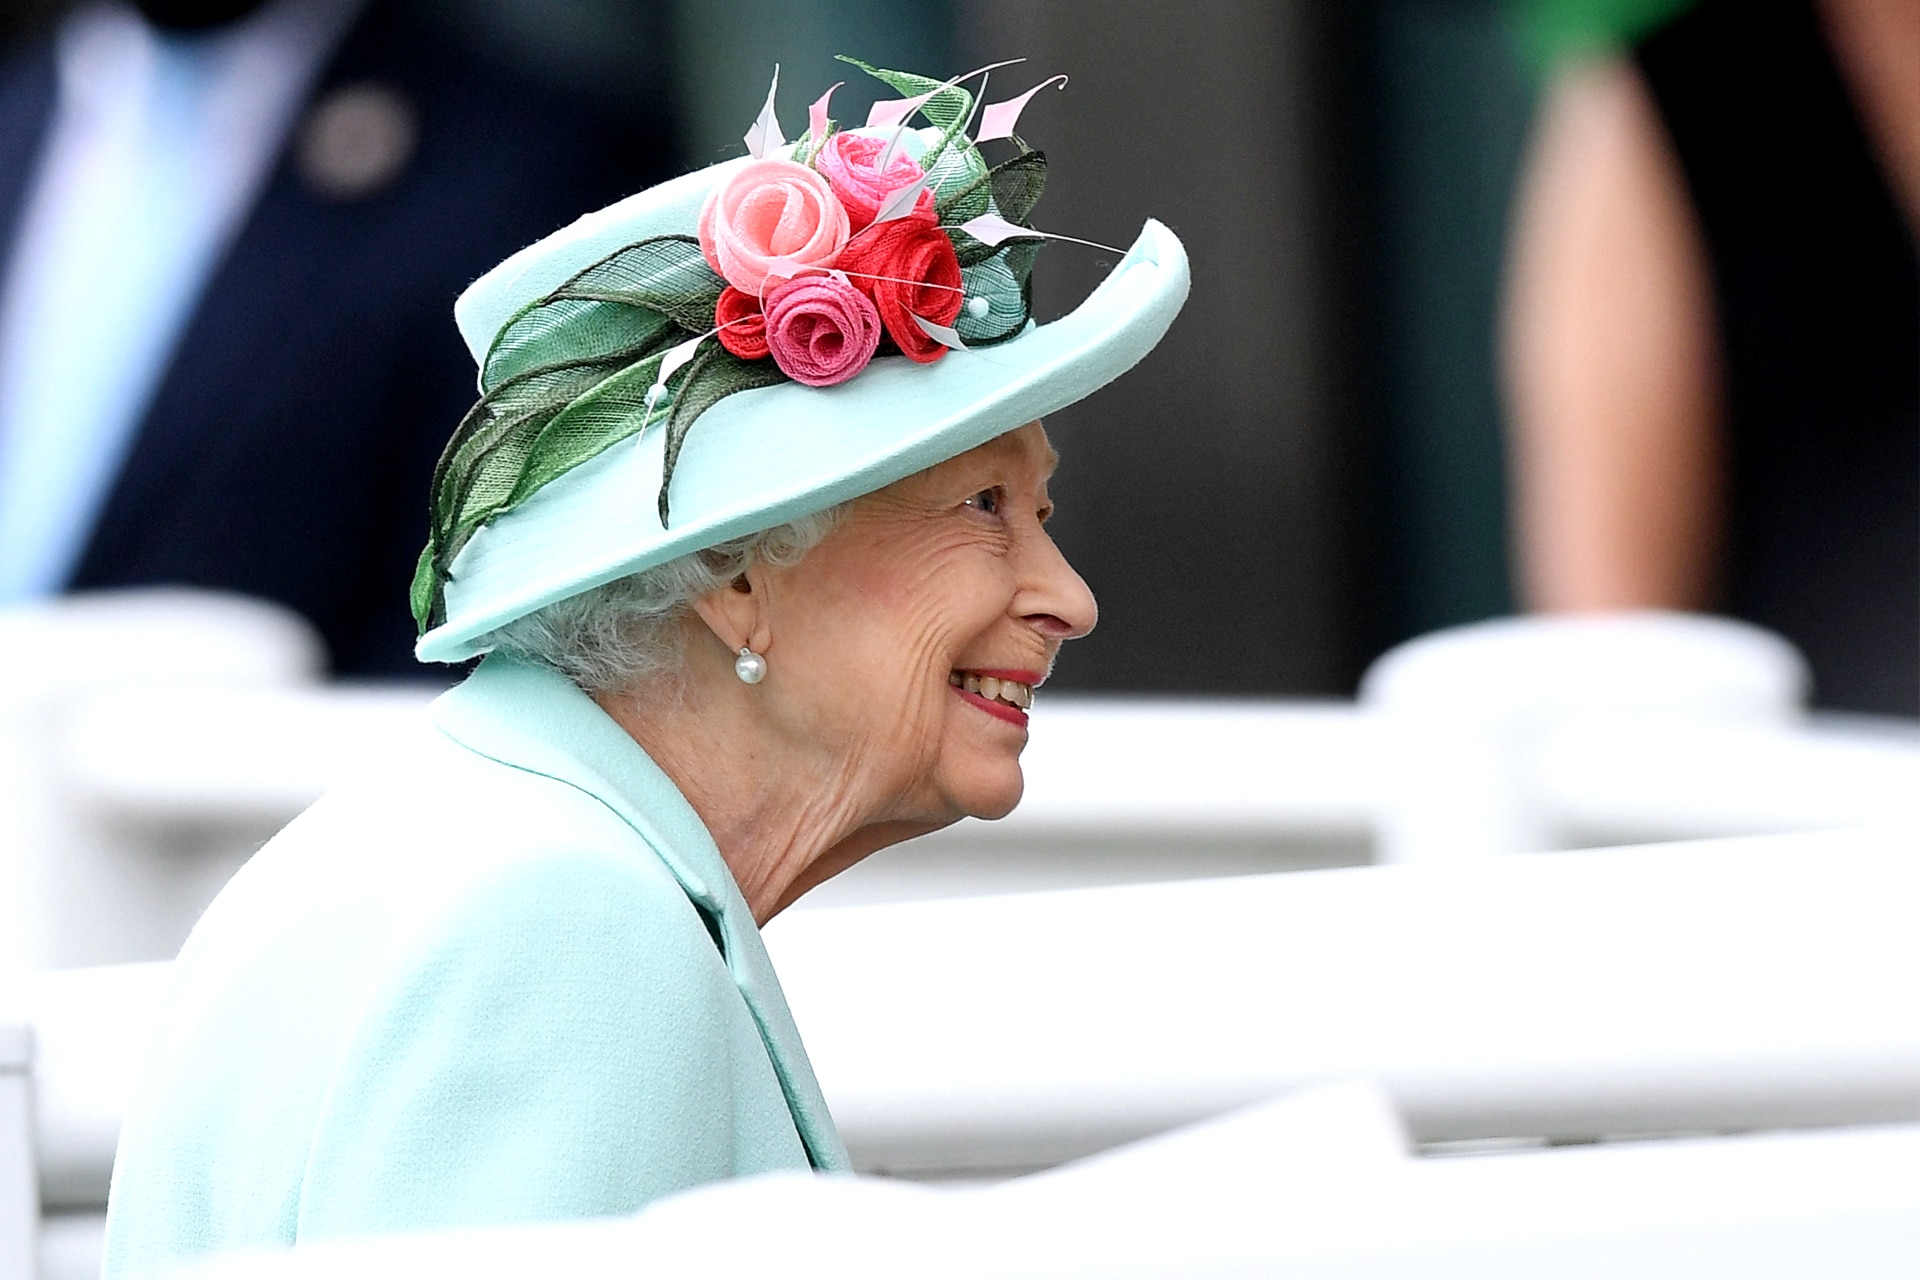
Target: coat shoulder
x,y
452,991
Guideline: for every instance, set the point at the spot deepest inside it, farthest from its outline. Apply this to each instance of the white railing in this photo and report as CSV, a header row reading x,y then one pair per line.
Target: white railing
x,y
1118,791
1721,986
1615,779
1301,1187
160,737
1728,986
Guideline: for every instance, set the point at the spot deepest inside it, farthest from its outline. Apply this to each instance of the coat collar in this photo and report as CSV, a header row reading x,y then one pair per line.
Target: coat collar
x,y
531,718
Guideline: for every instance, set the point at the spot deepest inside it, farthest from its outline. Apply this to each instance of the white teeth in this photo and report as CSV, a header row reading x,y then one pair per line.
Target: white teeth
x,y
1011,692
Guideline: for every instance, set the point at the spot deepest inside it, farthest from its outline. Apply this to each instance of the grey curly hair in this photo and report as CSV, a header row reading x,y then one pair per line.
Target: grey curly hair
x,y
627,631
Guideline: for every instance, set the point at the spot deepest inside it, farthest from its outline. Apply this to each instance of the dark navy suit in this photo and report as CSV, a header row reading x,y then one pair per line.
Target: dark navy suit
x,y
287,450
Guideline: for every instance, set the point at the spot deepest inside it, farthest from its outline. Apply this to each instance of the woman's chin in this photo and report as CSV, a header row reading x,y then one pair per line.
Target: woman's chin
x,y
989,794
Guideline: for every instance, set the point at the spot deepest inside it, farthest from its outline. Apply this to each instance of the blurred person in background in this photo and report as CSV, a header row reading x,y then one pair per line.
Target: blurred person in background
x,y
232,230
1712,344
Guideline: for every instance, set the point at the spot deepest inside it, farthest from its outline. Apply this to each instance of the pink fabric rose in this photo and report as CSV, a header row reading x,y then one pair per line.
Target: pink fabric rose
x,y
771,220
821,329
848,163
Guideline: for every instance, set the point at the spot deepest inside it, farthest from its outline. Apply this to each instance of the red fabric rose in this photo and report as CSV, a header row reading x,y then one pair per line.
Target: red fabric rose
x,y
820,329
908,268
848,162
743,326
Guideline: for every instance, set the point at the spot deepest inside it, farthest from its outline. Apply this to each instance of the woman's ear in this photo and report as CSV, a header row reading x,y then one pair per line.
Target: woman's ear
x,y
736,614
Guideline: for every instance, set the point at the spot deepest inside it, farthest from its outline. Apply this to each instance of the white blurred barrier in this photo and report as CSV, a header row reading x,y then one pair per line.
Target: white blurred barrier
x,y
1620,779
1258,1195
73,888
91,1028
1118,791
19,1192
88,1030
1509,737
162,757
1727,986
157,738
1470,711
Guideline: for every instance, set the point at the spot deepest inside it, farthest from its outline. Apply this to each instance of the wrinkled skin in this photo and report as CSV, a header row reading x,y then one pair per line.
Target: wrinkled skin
x,y
857,739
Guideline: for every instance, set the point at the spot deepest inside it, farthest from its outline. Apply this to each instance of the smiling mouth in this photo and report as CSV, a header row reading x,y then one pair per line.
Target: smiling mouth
x,y
1011,693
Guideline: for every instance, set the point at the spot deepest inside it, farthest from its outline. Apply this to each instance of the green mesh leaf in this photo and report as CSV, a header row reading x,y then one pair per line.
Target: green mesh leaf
x,y
959,180
711,376
947,109
564,380
588,426
667,274
423,597
1018,185
804,151
1021,180
522,436
483,463
573,329
1003,280
591,314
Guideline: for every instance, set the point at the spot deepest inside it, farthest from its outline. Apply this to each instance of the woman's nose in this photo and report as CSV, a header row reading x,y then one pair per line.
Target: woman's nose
x,y
1055,599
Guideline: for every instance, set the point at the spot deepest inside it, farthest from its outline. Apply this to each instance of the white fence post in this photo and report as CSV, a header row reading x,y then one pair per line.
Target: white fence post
x,y
19,1181
1468,711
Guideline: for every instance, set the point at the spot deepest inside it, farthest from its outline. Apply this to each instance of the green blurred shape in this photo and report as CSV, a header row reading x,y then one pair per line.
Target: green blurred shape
x,y
1551,30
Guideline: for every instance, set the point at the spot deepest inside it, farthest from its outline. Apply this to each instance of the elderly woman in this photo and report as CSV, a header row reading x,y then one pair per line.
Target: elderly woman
x,y
755,603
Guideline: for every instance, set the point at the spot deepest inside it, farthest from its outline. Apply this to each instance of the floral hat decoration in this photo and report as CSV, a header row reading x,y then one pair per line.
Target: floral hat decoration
x,y
804,301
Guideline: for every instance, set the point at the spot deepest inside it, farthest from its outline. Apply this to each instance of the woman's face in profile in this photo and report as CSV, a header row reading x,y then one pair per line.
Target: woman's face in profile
x,y
910,638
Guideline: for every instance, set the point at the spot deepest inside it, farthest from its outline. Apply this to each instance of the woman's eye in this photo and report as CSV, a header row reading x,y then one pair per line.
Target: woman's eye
x,y
987,500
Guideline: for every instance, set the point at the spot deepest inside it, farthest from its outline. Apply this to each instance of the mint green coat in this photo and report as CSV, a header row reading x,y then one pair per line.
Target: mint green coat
x,y
507,978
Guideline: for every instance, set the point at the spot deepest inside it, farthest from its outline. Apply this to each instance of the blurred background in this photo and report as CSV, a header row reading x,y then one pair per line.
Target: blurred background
x,y
1307,472
1312,469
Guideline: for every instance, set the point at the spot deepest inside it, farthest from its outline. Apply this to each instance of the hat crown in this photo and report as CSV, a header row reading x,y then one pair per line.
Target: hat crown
x,y
712,298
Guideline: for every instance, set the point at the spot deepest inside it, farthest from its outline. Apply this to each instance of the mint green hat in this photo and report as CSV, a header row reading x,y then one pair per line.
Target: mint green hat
x,y
605,390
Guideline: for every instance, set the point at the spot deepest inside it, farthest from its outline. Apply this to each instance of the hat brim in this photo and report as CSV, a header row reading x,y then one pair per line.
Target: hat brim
x,y
761,458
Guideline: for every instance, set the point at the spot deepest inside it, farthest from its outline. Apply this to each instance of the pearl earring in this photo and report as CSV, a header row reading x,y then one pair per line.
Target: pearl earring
x,y
750,666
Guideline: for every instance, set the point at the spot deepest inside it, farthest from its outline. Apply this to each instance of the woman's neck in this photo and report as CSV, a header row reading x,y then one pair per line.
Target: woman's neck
x,y
784,819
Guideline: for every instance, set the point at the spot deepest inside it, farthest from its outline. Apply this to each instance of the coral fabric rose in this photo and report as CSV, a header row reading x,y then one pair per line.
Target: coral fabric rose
x,y
772,219
743,327
847,162
920,255
821,329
